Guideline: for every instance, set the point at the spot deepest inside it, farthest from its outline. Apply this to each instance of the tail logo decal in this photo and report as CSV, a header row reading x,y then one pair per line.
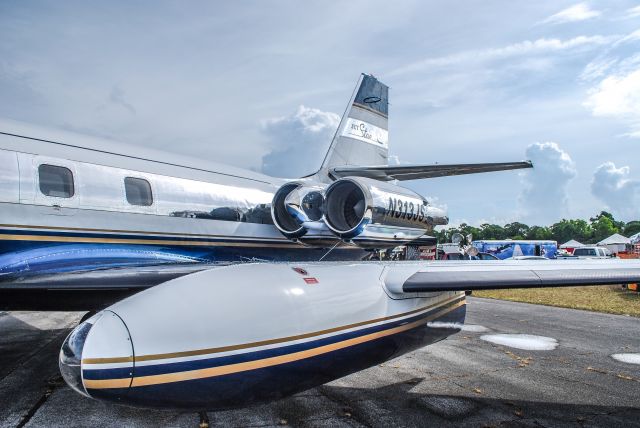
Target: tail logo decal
x,y
366,132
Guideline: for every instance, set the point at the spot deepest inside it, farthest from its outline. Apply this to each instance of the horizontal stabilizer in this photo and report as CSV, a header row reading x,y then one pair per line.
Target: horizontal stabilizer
x,y
491,275
414,172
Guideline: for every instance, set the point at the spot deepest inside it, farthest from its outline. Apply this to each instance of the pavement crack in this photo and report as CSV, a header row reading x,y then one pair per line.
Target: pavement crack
x,y
567,379
539,424
51,386
466,375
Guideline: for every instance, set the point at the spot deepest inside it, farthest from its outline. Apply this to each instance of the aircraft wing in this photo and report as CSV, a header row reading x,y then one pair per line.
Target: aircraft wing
x,y
238,328
86,289
489,275
414,172
96,289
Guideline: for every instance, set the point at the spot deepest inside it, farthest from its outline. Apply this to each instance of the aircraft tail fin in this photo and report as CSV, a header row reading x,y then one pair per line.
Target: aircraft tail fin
x,y
362,138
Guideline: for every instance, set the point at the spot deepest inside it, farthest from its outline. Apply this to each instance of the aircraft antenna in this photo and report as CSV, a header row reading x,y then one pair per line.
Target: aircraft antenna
x,y
330,250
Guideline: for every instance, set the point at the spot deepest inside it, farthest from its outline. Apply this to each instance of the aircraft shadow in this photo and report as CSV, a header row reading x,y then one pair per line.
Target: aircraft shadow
x,y
398,404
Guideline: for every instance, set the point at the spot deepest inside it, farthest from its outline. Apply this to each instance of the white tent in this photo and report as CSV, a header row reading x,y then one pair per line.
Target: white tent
x,y
571,244
615,243
635,239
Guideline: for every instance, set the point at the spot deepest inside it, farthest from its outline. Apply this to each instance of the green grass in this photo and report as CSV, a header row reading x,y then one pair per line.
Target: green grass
x,y
607,299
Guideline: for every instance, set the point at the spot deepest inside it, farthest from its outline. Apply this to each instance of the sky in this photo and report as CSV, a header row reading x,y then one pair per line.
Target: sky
x,y
262,85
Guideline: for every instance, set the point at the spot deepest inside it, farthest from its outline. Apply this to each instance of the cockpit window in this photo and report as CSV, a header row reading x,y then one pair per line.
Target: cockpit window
x,y
138,191
56,181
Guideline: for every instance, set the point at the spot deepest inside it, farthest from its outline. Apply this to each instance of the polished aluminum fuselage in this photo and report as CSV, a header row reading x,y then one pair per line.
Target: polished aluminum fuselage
x,y
201,211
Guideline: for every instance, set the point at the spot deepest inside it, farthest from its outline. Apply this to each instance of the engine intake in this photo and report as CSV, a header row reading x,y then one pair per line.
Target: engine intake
x,y
285,221
297,211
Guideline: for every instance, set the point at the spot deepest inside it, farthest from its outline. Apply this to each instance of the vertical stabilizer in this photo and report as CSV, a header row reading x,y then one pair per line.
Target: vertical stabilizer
x,y
362,138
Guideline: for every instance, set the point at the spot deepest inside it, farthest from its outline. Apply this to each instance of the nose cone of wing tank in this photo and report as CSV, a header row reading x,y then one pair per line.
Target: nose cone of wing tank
x,y
71,357
96,359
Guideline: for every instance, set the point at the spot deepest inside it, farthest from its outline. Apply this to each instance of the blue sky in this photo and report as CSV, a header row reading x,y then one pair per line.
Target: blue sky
x,y
259,85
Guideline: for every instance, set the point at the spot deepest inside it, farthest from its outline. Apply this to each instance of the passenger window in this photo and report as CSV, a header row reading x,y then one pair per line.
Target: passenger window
x,y
138,191
56,181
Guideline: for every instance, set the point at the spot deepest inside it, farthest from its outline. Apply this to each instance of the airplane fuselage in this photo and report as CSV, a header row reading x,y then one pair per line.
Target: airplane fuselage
x,y
72,204
85,214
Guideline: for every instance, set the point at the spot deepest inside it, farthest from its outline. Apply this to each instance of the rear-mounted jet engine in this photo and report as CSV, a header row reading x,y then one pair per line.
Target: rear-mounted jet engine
x,y
297,212
374,214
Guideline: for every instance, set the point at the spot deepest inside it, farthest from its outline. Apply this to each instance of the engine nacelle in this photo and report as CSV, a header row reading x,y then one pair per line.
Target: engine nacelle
x,y
375,214
296,210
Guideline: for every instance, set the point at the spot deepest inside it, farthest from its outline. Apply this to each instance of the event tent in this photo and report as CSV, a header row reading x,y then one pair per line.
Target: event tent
x,y
615,243
571,245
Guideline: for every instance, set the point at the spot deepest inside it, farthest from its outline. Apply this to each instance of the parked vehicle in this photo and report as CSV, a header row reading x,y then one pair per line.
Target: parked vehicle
x,y
592,253
527,258
463,256
504,249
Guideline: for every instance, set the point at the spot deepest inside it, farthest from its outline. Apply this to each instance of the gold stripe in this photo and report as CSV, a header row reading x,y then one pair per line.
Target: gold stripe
x,y
80,229
258,364
196,352
140,241
112,383
267,242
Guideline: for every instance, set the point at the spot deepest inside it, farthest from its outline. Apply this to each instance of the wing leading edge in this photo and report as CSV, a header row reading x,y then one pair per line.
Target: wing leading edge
x,y
469,275
85,289
99,288
414,172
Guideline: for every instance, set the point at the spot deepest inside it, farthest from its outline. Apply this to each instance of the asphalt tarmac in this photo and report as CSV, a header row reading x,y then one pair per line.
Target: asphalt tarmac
x,y
462,381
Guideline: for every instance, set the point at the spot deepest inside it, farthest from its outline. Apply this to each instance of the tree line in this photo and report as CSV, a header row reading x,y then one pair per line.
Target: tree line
x,y
587,232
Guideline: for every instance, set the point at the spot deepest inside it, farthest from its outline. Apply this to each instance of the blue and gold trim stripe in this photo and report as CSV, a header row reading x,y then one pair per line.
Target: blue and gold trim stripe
x,y
107,236
207,351
207,368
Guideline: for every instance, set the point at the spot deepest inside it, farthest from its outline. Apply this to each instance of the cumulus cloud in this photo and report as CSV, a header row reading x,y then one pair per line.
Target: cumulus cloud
x,y
620,193
575,13
618,95
298,142
544,197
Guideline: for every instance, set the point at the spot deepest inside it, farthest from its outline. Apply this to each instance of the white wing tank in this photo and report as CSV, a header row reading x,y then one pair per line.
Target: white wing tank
x,y
244,334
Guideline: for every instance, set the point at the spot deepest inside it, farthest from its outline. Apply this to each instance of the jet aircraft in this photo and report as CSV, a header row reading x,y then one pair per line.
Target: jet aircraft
x,y
217,287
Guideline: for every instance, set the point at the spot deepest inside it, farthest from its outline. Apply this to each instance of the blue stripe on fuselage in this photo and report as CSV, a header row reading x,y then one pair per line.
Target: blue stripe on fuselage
x,y
25,258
